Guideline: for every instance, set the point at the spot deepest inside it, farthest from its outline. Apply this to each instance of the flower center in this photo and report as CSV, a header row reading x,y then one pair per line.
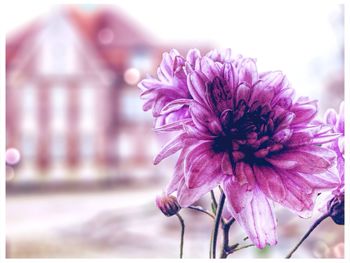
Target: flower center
x,y
248,132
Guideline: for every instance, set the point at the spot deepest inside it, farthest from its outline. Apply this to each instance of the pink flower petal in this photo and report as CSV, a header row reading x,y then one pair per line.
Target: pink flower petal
x,y
331,117
158,106
299,197
194,132
244,175
209,68
340,121
175,105
204,119
193,55
157,89
243,93
231,76
270,183
226,166
197,170
166,66
187,196
247,71
322,181
325,138
219,96
178,64
309,159
300,138
253,211
282,135
261,93
179,170
174,126
283,120
201,171
147,105
273,79
170,148
304,111
196,87
313,159
281,161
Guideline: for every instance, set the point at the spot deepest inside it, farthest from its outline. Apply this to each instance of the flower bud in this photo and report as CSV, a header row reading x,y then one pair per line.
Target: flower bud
x,y
336,209
168,205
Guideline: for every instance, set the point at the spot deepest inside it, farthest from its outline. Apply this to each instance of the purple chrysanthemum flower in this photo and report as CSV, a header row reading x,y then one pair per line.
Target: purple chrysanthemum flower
x,y
333,202
168,96
246,133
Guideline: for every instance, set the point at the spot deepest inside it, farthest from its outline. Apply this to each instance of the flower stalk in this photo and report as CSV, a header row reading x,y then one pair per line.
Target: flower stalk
x,y
214,204
312,228
217,224
202,210
243,247
182,223
226,248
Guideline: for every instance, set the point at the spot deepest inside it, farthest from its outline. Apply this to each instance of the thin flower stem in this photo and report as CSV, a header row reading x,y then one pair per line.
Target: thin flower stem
x,y
217,223
214,206
213,201
226,248
201,209
182,233
312,228
234,248
231,221
211,244
242,247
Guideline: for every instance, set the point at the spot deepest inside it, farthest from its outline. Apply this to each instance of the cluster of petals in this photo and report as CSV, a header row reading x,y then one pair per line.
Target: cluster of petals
x,y
333,201
243,130
336,122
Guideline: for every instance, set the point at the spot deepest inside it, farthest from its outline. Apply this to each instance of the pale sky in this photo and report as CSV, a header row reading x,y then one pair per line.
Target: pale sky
x,y
281,35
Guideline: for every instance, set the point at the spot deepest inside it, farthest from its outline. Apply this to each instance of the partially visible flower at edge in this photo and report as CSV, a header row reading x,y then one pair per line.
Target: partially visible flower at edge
x,y
247,133
333,202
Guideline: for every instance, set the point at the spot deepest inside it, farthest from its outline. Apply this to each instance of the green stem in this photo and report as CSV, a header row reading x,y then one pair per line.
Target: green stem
x,y
182,234
217,223
312,228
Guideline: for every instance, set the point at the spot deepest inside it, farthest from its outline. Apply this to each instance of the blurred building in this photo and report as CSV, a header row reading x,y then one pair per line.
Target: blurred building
x,y
72,106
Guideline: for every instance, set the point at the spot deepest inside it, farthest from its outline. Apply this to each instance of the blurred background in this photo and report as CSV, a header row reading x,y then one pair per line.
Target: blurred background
x,y
79,175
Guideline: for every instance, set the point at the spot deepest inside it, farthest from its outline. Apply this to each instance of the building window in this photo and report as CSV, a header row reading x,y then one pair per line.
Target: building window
x,y
87,122
58,121
29,122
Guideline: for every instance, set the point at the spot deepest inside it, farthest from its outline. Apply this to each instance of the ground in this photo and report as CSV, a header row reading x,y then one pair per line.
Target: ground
x,y
125,222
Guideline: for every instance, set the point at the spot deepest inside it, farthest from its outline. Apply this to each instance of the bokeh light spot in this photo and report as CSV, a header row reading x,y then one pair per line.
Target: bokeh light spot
x,y
12,156
132,76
